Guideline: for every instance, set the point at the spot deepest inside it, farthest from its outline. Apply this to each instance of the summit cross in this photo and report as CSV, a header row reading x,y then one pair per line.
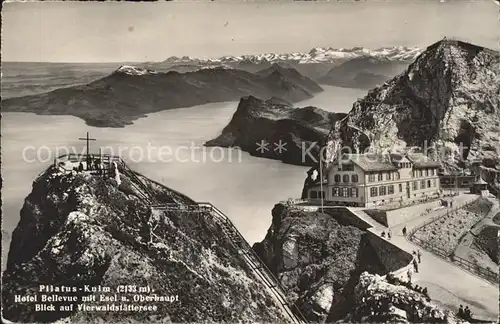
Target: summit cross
x,y
88,139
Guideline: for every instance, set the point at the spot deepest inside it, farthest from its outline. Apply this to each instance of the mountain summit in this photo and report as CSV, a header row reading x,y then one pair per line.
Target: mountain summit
x,y
131,92
81,235
448,99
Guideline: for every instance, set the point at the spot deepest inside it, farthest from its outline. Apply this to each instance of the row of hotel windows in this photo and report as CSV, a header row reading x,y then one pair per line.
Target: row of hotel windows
x,y
380,176
396,176
425,172
389,190
345,178
337,192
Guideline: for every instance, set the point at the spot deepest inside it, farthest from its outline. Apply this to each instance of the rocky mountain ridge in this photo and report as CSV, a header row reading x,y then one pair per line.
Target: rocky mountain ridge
x,y
259,126
315,55
131,92
447,103
84,231
318,64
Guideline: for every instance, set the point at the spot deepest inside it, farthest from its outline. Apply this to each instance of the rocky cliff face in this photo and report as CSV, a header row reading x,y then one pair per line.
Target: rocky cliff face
x,y
257,122
320,259
82,231
378,301
448,97
130,93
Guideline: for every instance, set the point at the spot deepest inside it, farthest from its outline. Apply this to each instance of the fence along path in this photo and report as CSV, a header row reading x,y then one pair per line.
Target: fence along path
x,y
237,240
247,253
467,265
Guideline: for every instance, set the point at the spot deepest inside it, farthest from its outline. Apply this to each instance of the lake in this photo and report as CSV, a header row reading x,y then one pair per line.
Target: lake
x,y
167,147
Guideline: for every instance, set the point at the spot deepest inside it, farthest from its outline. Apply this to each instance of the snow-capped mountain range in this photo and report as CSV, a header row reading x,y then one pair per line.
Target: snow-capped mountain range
x,y
316,55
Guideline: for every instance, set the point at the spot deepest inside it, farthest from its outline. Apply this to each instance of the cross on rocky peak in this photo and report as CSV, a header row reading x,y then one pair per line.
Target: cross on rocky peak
x,y
87,139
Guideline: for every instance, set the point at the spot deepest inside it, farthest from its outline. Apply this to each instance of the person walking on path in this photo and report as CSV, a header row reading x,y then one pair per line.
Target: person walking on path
x,y
461,312
419,256
389,234
404,231
408,273
415,265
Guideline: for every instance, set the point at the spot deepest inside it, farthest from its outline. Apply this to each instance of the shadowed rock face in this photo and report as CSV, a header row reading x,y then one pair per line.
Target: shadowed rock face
x,y
77,230
130,93
275,121
317,259
447,101
320,261
399,304
449,95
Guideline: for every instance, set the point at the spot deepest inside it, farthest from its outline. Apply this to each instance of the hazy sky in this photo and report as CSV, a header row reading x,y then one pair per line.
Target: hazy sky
x,y
119,31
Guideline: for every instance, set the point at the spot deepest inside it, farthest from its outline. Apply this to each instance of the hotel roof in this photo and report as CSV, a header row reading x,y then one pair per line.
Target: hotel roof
x,y
420,160
373,162
368,162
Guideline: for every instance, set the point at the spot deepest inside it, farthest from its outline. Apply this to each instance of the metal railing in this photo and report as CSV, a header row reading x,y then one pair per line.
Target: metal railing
x,y
256,263
471,267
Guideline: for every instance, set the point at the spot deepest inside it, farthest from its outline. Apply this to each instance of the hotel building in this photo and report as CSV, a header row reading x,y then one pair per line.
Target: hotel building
x,y
367,180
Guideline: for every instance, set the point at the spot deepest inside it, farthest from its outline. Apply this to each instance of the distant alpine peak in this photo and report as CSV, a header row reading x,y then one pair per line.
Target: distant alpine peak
x,y
133,70
315,55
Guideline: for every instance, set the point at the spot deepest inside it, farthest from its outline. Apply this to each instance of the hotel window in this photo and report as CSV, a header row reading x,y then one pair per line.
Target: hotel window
x,y
388,176
380,177
371,177
335,192
400,187
415,185
433,182
345,192
422,184
347,167
428,183
381,191
313,194
426,172
397,176
390,189
337,178
345,178
373,192
354,178
419,173
354,192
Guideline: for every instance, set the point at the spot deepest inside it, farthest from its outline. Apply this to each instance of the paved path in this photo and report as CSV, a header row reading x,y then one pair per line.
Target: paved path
x,y
448,284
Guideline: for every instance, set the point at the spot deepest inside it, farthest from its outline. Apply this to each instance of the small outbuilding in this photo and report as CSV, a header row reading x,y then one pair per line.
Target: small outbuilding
x,y
480,187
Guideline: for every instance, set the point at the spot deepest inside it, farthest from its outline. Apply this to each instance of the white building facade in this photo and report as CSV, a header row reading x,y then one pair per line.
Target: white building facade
x,y
367,180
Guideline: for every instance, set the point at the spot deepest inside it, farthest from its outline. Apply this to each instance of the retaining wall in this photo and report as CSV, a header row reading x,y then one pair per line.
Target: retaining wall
x,y
392,257
346,217
400,215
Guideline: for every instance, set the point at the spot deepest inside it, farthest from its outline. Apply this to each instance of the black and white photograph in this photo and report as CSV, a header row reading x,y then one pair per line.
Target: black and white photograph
x,y
250,161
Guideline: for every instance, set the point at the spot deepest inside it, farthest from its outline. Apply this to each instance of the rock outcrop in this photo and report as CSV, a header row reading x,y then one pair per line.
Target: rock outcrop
x,y
378,301
447,103
448,98
259,127
131,92
318,259
82,231
331,269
